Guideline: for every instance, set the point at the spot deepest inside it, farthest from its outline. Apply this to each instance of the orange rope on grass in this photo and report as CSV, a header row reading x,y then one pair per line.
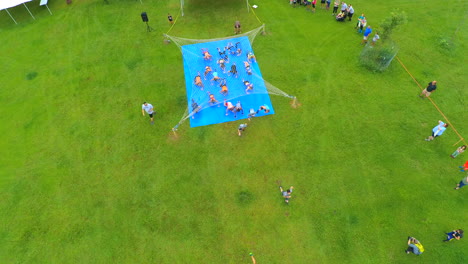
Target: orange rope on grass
x,y
433,103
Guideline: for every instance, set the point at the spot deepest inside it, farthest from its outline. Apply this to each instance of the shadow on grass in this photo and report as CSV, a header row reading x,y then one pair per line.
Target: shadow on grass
x,y
244,198
31,75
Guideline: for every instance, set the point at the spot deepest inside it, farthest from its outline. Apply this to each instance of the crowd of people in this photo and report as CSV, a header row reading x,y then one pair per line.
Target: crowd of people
x,y
220,78
211,73
346,13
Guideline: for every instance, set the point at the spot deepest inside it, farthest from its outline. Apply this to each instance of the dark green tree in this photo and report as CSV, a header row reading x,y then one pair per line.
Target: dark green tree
x,y
395,19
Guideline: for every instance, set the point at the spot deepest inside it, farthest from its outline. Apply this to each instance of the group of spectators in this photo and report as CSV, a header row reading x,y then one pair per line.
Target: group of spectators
x,y
346,11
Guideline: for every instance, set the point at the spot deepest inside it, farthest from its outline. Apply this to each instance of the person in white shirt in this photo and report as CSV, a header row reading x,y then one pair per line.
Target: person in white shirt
x,y
375,38
148,108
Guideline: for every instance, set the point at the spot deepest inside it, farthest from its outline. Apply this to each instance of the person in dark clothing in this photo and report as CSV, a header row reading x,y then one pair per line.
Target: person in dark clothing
x,y
431,87
457,234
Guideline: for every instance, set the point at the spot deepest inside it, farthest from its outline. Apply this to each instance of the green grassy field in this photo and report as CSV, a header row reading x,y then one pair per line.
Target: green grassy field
x,y
86,179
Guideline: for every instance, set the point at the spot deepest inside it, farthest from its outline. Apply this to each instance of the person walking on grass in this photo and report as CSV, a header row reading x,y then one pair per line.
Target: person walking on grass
x,y
457,234
361,24
462,183
375,38
286,194
169,17
431,87
350,11
328,4
367,32
459,151
437,130
414,246
148,108
241,129
237,27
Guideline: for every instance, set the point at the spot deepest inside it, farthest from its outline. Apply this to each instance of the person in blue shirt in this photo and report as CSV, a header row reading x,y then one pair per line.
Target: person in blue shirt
x,y
367,32
457,234
148,108
437,130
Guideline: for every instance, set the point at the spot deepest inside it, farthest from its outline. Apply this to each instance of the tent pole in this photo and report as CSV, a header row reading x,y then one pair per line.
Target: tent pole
x,y
11,16
29,11
182,6
48,9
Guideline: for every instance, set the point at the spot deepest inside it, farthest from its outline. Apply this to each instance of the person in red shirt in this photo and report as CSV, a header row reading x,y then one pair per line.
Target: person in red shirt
x,y
464,167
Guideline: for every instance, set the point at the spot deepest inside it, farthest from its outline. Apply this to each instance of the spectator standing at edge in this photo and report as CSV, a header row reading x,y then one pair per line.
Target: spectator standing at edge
x,y
431,87
169,17
437,130
366,35
350,12
361,24
375,38
336,4
237,27
344,7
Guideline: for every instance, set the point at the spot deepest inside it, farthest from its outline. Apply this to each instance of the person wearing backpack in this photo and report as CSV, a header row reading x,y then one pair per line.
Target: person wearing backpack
x,y
414,246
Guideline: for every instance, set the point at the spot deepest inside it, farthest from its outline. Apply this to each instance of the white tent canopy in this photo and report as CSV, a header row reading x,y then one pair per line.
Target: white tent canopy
x,y
5,4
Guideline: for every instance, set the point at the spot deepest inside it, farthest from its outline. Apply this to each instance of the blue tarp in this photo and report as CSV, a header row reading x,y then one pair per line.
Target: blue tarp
x,y
194,63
